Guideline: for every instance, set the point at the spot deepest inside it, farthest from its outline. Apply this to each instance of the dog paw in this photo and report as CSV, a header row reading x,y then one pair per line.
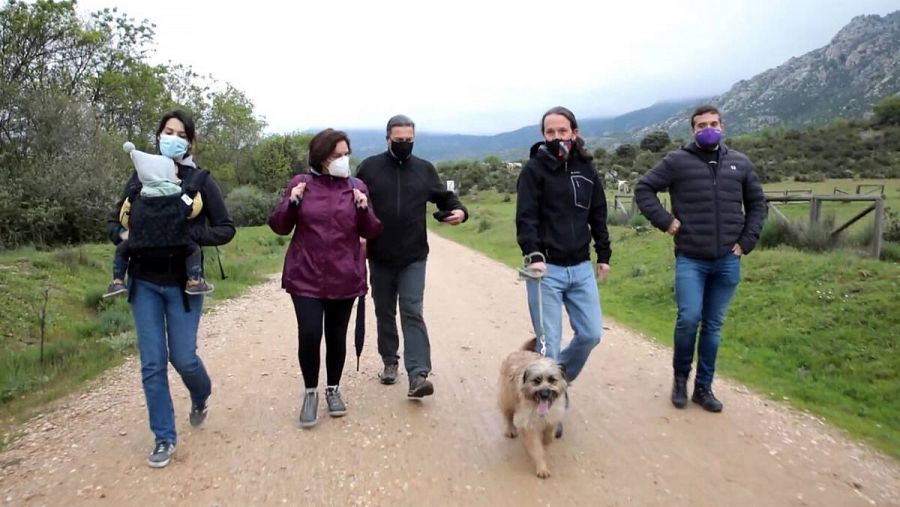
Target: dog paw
x,y
543,472
511,433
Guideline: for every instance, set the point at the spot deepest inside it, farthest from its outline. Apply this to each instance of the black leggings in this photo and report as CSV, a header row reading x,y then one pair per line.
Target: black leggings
x,y
311,313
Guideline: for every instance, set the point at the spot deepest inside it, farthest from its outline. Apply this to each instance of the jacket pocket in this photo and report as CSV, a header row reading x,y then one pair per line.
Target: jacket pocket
x,y
583,190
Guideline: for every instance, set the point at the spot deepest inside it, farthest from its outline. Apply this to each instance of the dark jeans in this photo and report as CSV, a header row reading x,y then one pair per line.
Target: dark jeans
x,y
166,333
703,290
406,284
312,313
193,263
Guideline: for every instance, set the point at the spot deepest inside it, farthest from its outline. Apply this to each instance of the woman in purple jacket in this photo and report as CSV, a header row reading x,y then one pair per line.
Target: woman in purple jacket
x,y
324,268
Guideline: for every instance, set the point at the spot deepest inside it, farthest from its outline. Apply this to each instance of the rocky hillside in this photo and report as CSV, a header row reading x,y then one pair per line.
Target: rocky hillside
x,y
859,67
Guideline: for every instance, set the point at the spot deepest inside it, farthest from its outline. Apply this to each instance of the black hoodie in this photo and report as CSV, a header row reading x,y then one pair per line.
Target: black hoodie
x,y
560,207
399,192
718,200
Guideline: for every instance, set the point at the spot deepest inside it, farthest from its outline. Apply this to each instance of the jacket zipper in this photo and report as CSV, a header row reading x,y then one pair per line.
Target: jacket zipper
x,y
397,173
574,198
715,174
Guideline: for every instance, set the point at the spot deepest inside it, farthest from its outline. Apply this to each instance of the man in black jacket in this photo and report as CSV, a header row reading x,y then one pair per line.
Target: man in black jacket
x,y
400,186
560,208
718,209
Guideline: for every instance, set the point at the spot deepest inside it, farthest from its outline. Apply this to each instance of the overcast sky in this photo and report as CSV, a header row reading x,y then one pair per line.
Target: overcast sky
x,y
471,66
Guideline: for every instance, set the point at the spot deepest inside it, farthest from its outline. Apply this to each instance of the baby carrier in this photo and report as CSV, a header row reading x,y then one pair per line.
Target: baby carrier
x,y
163,222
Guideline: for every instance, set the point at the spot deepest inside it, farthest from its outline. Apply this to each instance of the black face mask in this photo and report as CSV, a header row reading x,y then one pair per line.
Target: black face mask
x,y
559,148
401,149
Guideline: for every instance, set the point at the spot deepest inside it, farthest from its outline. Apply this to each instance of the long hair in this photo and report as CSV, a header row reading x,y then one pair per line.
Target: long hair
x,y
579,146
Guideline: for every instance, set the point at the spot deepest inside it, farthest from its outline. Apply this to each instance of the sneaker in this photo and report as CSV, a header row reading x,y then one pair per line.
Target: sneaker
x,y
679,391
420,386
389,375
161,455
198,287
115,289
198,415
309,411
336,406
704,397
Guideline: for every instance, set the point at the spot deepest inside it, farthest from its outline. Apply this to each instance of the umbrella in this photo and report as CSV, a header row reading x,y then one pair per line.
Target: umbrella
x,y
360,327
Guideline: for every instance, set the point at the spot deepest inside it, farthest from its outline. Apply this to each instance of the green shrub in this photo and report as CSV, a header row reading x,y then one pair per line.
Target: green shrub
x,y
250,206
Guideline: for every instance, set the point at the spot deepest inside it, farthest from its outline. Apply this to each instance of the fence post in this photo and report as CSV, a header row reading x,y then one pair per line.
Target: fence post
x,y
879,227
815,208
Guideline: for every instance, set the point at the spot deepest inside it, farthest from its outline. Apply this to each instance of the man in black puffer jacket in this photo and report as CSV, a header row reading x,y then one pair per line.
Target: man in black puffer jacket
x,y
401,186
718,209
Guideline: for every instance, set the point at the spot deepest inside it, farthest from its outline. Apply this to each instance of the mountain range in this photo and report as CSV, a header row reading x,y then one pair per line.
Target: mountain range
x,y
856,69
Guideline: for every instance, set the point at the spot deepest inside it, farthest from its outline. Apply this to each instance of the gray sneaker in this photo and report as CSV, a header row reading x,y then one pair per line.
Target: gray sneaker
x,y
161,455
309,415
336,406
389,375
198,415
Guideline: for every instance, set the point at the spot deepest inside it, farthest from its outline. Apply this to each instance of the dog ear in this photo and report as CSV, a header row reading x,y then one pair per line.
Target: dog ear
x,y
562,371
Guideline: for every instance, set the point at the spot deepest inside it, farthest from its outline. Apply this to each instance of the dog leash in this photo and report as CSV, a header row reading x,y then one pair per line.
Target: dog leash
x,y
537,276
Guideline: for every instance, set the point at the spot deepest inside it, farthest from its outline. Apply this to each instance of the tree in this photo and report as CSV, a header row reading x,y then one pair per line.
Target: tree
x,y
625,154
655,141
887,112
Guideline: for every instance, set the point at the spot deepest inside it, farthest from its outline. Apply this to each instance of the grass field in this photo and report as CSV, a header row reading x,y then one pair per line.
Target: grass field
x,y
85,335
819,330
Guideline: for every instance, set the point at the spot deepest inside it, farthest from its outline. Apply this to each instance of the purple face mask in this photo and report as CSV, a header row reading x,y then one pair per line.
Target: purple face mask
x,y
708,138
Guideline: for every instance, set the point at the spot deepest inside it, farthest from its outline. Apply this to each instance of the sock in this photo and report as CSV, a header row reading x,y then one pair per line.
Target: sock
x,y
331,388
310,389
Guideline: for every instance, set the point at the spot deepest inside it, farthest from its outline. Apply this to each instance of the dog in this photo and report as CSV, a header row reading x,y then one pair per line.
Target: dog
x,y
532,388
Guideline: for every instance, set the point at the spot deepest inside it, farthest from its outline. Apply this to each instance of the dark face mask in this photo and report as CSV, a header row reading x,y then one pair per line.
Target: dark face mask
x,y
559,148
401,149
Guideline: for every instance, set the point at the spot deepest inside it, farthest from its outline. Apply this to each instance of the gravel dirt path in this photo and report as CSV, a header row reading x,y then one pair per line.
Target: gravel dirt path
x,y
624,443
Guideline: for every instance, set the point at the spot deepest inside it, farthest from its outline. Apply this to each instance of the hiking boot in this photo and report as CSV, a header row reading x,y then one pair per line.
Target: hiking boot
x,y
389,375
420,386
704,397
679,391
198,415
309,412
161,455
115,288
336,406
198,287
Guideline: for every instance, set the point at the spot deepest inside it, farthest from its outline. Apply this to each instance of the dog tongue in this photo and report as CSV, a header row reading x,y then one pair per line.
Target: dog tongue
x,y
543,408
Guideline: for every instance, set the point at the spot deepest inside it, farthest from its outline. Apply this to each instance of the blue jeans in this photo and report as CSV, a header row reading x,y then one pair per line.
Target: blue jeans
x,y
703,291
406,284
166,332
576,287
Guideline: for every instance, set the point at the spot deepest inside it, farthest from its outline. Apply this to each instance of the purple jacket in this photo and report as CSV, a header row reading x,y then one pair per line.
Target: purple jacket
x,y
325,259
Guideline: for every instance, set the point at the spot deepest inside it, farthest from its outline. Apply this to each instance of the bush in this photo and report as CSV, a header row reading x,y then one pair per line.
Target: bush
x,y
812,177
815,237
250,206
617,217
637,221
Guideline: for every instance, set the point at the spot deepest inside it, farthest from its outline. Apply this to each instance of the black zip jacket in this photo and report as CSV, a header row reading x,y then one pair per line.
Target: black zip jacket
x,y
213,227
399,192
718,200
559,208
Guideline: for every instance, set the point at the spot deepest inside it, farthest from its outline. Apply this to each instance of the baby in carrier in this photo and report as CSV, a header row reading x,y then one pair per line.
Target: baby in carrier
x,y
156,216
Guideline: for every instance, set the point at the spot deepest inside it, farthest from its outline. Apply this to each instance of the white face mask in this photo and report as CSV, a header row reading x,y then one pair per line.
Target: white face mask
x,y
340,167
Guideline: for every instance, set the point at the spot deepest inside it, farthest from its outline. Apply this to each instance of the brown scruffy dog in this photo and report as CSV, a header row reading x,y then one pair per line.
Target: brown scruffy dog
x,y
532,389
